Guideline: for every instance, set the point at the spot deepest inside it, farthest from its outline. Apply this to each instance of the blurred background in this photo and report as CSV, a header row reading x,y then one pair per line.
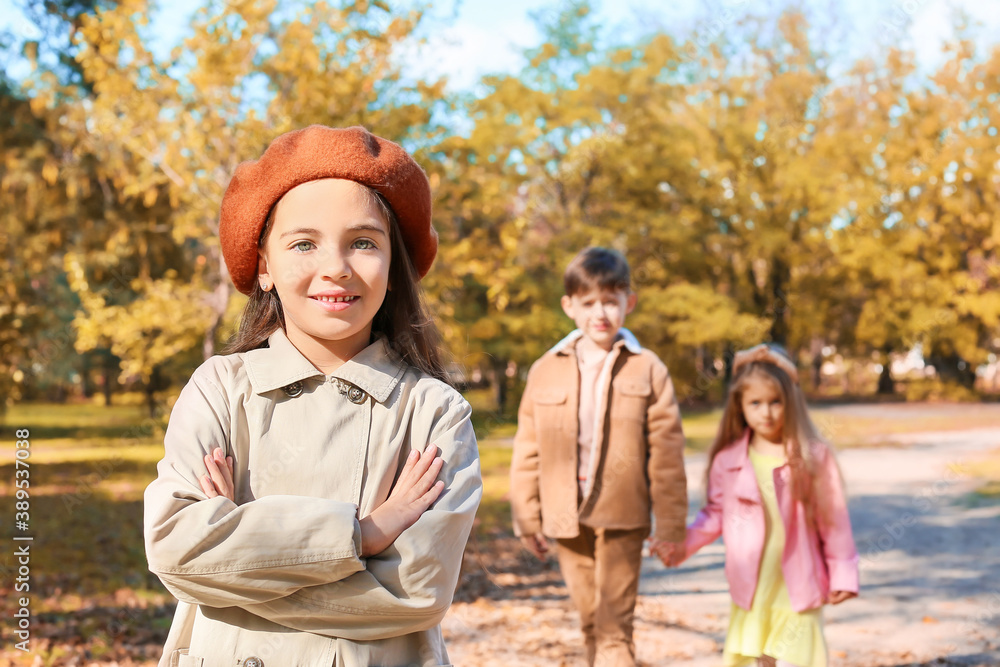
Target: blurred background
x,y
821,175
824,175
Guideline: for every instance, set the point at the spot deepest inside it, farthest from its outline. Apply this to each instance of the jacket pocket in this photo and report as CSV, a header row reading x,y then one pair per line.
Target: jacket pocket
x,y
181,658
550,397
550,413
630,400
631,388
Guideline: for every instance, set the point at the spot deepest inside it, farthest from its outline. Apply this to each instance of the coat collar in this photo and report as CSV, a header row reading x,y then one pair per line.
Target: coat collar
x,y
625,339
738,454
737,459
375,369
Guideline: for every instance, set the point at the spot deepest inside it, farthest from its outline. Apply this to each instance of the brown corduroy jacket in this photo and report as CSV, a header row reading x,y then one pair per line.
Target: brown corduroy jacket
x,y
638,457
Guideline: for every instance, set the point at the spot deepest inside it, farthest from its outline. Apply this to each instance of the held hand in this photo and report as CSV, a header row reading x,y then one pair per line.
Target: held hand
x,y
836,597
536,544
671,554
416,490
219,480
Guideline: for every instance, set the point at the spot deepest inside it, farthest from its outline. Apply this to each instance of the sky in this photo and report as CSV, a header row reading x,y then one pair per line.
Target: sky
x,y
475,37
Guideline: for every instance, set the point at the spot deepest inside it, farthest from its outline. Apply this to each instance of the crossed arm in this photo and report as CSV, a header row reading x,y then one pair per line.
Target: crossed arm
x,y
307,562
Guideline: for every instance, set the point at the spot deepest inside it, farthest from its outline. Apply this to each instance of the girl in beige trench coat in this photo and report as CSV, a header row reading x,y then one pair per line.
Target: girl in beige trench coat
x,y
342,470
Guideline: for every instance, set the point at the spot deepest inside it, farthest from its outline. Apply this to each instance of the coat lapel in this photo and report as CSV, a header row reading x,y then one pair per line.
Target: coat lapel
x,y
745,487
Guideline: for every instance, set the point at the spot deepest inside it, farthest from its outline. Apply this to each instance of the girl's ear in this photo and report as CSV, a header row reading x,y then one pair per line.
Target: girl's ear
x,y
262,275
633,298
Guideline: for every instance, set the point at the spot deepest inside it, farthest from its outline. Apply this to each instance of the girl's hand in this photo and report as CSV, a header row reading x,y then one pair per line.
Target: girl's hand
x,y
836,597
670,553
416,489
219,480
536,544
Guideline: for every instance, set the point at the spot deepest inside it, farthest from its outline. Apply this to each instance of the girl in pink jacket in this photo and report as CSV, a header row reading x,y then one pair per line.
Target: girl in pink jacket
x,y
776,497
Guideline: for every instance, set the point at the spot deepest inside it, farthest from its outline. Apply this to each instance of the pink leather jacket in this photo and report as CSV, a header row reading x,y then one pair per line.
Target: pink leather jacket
x,y
817,558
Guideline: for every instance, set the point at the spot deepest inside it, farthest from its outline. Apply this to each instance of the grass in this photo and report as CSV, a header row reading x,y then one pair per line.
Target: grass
x,y
494,511
844,426
83,421
987,470
486,419
90,587
699,428
862,425
90,465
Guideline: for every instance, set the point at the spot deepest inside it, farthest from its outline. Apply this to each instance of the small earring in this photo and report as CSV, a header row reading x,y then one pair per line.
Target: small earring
x,y
264,285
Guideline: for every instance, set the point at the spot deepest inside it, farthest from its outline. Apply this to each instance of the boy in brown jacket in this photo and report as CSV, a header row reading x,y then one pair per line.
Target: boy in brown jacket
x,y
599,447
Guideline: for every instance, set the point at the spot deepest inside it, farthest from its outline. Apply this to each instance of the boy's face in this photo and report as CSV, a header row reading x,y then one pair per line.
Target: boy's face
x,y
599,313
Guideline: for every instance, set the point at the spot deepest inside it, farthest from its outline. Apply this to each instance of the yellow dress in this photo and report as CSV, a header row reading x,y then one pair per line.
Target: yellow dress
x,y
772,627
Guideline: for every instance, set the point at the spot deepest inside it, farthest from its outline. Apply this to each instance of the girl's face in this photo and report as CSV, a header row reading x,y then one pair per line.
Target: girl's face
x,y
327,255
764,408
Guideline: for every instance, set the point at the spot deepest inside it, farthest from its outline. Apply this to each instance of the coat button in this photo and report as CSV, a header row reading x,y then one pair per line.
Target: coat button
x,y
254,661
355,395
293,390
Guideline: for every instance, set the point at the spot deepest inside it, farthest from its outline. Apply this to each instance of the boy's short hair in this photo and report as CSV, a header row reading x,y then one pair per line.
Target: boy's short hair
x,y
602,268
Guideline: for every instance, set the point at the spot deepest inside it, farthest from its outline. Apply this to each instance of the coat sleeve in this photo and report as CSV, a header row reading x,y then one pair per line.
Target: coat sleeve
x,y
217,553
525,499
707,526
833,522
667,478
410,585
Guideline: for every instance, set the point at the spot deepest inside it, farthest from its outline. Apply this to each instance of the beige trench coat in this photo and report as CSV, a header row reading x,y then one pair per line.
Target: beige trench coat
x,y
275,579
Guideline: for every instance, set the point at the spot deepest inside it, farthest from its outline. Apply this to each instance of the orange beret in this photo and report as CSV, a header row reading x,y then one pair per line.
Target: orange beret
x,y
310,154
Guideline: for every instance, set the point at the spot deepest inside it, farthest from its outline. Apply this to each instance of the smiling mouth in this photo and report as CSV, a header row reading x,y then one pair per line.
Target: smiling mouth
x,y
336,299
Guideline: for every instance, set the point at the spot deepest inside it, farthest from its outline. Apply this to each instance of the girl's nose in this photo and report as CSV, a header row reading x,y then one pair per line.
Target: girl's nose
x,y
334,265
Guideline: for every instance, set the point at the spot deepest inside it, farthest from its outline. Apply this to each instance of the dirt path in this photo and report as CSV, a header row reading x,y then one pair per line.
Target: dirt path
x,y
930,576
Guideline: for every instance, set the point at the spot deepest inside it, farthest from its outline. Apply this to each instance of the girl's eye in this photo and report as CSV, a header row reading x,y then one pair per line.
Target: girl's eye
x,y
364,244
299,246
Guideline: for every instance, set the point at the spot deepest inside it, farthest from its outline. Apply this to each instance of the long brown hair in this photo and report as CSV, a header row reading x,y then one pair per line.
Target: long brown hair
x,y
802,438
402,318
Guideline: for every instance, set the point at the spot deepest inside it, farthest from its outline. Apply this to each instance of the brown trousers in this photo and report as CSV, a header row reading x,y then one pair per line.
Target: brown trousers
x,y
601,569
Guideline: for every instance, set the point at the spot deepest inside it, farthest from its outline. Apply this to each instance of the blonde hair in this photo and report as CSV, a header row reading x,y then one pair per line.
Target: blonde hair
x,y
803,443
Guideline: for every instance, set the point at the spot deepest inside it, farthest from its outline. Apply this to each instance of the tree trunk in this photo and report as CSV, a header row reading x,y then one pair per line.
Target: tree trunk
x,y
952,368
886,385
727,357
780,277
500,383
109,370
219,301
816,350
86,387
151,386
